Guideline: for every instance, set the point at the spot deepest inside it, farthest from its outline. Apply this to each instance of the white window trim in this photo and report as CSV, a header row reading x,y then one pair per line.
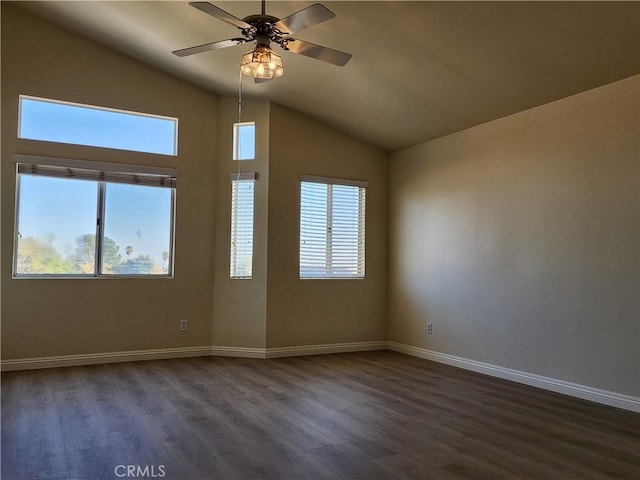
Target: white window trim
x,y
332,181
236,141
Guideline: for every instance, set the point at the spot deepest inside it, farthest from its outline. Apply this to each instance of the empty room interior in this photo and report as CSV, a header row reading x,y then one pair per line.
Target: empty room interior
x,y
298,240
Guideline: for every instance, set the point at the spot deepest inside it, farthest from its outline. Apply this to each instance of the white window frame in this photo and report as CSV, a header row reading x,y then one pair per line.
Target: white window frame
x,y
102,173
330,182
236,140
237,178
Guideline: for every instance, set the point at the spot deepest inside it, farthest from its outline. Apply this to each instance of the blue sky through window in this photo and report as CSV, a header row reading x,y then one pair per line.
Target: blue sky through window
x,y
139,217
59,211
55,214
245,141
85,125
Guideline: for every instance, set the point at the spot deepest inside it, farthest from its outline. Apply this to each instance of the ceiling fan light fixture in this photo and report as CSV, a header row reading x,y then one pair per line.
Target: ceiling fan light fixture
x,y
262,62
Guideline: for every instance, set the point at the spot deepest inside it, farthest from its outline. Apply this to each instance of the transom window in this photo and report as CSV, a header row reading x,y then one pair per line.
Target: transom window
x,y
77,218
65,122
332,228
244,141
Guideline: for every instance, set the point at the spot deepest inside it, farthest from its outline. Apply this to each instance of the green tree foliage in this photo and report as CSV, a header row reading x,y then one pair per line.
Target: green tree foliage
x,y
111,252
37,256
84,256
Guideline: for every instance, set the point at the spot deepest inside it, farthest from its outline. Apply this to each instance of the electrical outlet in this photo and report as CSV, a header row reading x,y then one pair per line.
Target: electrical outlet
x,y
429,328
184,325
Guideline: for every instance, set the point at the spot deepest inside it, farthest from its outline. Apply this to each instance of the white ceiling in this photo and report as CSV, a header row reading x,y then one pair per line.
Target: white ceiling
x,y
419,70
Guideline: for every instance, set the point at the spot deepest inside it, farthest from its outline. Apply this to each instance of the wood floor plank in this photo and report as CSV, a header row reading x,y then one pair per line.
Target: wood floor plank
x,y
368,415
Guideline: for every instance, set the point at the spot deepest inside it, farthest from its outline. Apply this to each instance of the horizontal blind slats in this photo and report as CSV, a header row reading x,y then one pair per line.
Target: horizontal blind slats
x,y
331,228
242,206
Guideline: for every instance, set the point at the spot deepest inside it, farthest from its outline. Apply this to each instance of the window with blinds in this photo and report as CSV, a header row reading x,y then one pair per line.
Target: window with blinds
x,y
242,202
82,218
332,228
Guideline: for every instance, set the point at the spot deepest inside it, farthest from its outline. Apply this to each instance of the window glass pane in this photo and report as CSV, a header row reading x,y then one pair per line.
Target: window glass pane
x,y
137,230
242,196
244,141
53,121
56,226
345,229
332,231
313,230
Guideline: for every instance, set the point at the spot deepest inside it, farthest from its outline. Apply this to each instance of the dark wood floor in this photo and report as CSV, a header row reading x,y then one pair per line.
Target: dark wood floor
x,y
362,415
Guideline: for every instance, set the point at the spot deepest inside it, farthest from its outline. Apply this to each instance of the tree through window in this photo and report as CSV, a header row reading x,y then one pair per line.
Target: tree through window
x,y
75,221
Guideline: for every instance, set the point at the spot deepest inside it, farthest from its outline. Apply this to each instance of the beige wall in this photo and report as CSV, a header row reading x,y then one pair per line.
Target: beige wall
x,y
240,305
274,308
305,312
519,240
73,316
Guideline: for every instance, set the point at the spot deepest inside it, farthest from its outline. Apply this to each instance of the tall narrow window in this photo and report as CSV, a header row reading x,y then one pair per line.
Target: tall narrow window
x,y
74,123
244,141
83,218
242,201
332,228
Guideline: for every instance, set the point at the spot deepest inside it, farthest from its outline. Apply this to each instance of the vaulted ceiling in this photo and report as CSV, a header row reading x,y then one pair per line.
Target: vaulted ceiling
x,y
419,70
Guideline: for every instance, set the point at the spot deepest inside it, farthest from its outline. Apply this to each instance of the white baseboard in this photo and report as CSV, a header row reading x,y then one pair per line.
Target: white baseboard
x,y
324,348
605,397
162,353
106,357
245,352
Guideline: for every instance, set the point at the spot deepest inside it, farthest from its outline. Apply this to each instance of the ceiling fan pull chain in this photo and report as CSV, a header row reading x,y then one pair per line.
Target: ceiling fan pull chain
x,y
240,107
240,104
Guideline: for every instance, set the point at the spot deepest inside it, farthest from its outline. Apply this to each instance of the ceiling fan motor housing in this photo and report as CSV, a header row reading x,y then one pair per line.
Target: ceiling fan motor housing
x,y
263,29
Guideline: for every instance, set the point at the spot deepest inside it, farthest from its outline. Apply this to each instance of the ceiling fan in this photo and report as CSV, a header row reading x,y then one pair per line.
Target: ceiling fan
x,y
262,63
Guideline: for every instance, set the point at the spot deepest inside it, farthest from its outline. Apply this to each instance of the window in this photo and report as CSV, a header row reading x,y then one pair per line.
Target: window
x,y
332,227
242,195
76,218
244,141
64,122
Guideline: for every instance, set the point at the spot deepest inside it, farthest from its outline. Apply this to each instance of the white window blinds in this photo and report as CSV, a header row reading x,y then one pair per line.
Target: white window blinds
x,y
98,171
332,228
242,201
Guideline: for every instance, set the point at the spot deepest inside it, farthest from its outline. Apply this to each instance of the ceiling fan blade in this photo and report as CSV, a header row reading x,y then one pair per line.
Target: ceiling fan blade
x,y
217,12
318,52
306,17
184,52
